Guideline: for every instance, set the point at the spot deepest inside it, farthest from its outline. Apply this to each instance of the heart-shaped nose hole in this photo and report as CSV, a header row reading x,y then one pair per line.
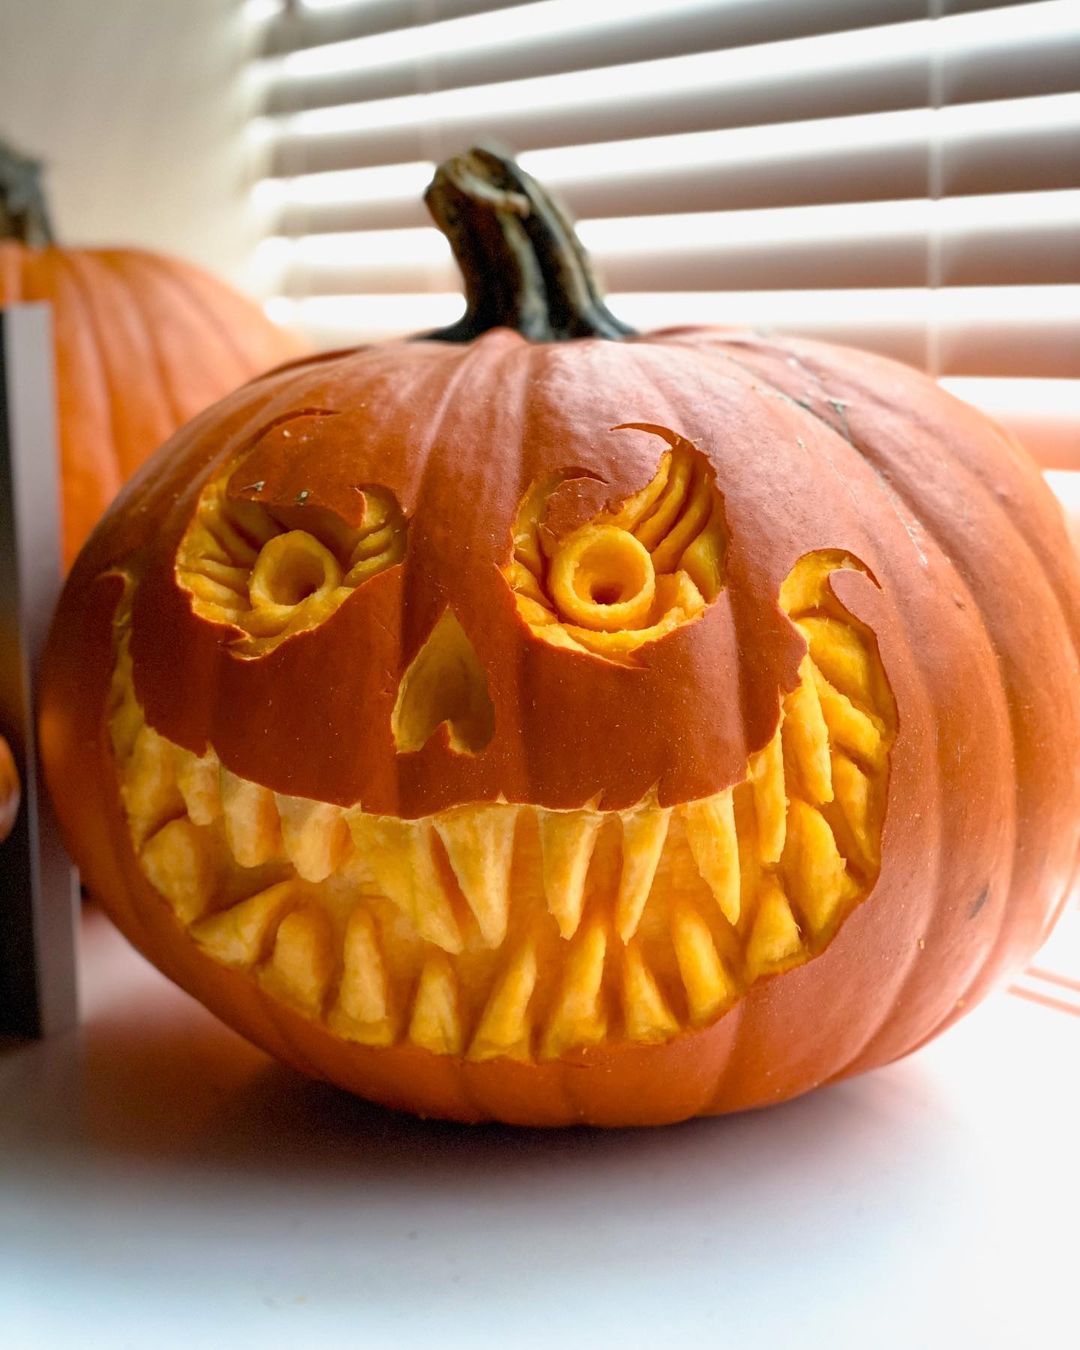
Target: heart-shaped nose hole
x,y
444,684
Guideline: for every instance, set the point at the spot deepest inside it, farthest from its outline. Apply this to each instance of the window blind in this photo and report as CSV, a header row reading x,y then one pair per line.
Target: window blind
x,y
899,174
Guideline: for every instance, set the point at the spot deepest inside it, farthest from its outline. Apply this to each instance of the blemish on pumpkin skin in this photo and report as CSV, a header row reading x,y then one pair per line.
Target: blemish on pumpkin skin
x,y
984,895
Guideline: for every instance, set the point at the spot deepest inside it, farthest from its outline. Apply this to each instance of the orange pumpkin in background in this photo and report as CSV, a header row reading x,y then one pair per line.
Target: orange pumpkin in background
x,y
10,792
545,722
142,343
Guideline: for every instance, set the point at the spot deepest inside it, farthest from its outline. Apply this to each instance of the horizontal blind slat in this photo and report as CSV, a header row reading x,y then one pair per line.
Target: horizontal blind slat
x,y
1008,146
1024,239
557,36
1021,56
475,43
746,21
301,28
1009,331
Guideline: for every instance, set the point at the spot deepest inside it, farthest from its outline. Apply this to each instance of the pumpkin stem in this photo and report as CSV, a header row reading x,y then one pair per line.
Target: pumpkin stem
x,y
24,215
523,265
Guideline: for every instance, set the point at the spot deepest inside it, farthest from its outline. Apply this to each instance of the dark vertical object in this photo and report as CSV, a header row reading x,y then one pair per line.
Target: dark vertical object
x,y
38,890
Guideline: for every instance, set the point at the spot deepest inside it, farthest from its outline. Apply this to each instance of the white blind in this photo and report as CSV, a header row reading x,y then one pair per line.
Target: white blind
x,y
899,174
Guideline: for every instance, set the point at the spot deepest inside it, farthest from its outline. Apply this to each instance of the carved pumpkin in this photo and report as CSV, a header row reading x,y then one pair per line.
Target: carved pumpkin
x,y
545,722
9,790
142,343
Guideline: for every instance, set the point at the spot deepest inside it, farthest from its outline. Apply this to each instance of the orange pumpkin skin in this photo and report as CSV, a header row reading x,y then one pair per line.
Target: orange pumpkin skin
x,y
142,343
973,597
10,792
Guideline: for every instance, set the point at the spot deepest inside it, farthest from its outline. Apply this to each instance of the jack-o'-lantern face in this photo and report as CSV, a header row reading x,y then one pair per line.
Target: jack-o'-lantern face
x,y
559,730
499,925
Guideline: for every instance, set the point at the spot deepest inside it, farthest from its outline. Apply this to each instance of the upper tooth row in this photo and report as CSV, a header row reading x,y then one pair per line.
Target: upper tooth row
x,y
402,856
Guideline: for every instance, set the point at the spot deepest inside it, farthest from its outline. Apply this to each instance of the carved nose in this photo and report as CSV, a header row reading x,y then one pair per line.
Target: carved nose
x,y
445,684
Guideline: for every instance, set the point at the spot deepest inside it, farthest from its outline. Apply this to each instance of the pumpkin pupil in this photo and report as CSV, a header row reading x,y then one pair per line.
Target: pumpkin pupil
x,y
291,568
603,578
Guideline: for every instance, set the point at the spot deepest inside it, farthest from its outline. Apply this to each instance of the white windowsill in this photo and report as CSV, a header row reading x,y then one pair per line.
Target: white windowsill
x,y
164,1184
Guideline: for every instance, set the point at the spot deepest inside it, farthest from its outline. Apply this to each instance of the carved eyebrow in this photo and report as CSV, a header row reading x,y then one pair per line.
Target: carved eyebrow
x,y
294,415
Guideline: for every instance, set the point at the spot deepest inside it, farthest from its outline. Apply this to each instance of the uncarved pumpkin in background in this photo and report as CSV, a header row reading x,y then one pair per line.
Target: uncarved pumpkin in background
x,y
142,343
552,723
9,790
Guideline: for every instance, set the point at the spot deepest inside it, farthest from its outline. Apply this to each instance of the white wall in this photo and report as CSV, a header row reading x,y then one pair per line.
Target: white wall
x,y
138,108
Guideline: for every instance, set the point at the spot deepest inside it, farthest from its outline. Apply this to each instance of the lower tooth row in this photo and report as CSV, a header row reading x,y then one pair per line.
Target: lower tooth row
x,y
291,946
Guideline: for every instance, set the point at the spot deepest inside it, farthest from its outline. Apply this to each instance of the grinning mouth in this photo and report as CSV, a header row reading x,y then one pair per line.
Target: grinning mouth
x,y
503,929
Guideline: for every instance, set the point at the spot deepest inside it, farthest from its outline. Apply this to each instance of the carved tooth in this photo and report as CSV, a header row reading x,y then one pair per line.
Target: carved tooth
x,y
710,830
179,862
251,820
644,833
567,839
149,789
806,736
302,961
647,1015
838,650
436,1018
479,841
708,985
403,863
774,938
770,798
363,1012
197,777
849,727
505,1029
815,870
578,1017
240,936
853,797
314,835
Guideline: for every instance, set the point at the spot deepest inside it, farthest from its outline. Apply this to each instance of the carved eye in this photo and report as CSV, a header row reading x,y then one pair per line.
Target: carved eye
x,y
256,567
634,573
603,578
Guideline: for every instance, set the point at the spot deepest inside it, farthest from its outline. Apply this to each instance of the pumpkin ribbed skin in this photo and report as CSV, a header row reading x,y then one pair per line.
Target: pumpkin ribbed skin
x,y
975,612
9,790
142,343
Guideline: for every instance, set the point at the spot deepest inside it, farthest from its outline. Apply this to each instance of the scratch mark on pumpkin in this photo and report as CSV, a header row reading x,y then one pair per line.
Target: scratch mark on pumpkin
x,y
984,895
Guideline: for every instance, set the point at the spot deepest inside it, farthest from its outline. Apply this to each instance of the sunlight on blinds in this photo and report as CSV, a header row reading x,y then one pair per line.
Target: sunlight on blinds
x,y
899,174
